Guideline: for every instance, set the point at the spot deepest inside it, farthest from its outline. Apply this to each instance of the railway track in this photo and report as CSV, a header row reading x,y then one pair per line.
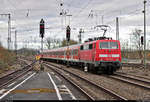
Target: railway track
x,y
130,79
93,88
136,65
5,80
138,76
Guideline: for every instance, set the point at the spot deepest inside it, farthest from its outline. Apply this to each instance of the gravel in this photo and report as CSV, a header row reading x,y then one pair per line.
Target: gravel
x,y
136,71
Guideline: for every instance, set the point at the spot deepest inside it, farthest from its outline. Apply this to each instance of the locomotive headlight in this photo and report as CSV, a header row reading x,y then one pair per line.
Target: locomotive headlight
x,y
103,55
115,55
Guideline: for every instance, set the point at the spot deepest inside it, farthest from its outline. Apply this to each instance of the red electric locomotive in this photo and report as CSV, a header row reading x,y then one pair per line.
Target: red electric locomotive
x,y
103,54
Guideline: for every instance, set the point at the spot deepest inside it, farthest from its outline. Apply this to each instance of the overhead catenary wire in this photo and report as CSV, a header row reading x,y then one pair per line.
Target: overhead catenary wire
x,y
81,10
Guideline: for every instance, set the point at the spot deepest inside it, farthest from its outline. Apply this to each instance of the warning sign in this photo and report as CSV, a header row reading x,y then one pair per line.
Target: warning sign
x,y
37,57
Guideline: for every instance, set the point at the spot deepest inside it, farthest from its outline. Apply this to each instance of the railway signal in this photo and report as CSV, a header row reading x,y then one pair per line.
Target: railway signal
x,y
68,33
42,28
68,39
142,40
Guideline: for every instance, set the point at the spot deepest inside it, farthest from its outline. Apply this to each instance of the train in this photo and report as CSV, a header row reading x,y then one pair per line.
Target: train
x,y
101,54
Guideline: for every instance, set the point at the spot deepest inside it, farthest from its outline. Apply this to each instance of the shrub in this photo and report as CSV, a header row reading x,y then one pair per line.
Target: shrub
x,y
7,58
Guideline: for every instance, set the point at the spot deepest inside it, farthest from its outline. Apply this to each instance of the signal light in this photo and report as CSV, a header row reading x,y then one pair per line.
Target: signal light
x,y
68,33
142,40
42,28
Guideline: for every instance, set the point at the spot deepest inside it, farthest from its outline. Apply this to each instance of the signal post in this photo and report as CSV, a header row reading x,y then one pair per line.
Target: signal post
x,y
42,31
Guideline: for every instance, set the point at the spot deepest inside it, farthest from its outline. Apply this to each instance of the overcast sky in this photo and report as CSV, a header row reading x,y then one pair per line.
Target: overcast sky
x,y
26,15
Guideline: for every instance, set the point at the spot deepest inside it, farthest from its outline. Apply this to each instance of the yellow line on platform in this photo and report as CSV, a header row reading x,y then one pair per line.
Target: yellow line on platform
x,y
36,90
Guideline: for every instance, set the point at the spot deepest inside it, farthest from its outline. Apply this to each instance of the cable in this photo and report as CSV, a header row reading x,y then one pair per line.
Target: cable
x,y
12,4
82,9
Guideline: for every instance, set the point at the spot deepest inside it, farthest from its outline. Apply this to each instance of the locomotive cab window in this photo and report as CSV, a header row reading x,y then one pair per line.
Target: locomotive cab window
x,y
81,48
90,46
108,45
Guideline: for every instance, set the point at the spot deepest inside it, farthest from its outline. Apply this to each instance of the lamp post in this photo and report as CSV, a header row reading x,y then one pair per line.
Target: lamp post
x,y
144,33
80,37
69,18
9,29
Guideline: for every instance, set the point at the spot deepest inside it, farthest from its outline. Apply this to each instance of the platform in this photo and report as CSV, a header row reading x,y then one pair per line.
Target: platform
x,y
37,86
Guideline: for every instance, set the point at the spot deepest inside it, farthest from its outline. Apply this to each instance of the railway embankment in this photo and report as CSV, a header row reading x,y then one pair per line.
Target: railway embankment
x,y
8,61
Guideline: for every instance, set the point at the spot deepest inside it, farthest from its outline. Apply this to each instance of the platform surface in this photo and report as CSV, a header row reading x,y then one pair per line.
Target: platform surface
x,y
37,86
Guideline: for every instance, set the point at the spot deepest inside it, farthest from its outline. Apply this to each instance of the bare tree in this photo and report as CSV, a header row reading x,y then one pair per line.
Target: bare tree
x,y
0,41
124,47
49,42
71,42
58,42
136,40
52,42
0,44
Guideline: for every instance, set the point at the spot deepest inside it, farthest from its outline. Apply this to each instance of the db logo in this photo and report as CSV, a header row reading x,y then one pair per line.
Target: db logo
x,y
109,56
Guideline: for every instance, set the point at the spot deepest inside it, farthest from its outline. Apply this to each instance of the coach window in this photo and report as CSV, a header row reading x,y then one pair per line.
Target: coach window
x,y
76,52
90,46
72,52
61,53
